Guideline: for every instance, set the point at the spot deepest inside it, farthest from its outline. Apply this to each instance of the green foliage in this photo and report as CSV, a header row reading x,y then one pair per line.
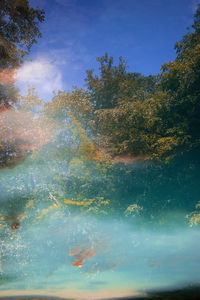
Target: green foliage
x,y
18,30
114,84
157,116
65,106
118,98
105,89
180,79
8,96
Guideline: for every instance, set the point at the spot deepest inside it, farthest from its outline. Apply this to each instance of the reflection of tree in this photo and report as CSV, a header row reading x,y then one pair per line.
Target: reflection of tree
x,y
67,166
194,217
75,155
61,166
21,134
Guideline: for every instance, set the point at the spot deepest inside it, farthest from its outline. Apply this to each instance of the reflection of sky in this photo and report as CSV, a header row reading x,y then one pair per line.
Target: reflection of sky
x,y
76,32
125,258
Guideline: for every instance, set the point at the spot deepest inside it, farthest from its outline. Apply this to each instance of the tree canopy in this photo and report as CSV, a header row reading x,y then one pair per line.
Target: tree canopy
x,y
157,116
19,30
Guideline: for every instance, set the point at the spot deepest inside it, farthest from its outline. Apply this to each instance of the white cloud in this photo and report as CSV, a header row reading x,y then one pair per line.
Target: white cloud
x,y
41,74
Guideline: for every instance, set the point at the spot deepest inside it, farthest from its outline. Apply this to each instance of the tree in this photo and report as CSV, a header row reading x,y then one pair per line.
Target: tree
x,y
119,98
105,89
18,32
179,81
76,104
136,116
114,83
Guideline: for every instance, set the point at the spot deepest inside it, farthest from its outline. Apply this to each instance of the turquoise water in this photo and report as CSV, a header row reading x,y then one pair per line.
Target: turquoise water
x,y
129,233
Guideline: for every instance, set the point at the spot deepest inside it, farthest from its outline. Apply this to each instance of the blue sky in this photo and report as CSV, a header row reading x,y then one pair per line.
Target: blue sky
x,y
75,32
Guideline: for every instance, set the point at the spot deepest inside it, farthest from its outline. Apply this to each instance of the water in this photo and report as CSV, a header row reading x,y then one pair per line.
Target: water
x,y
98,230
